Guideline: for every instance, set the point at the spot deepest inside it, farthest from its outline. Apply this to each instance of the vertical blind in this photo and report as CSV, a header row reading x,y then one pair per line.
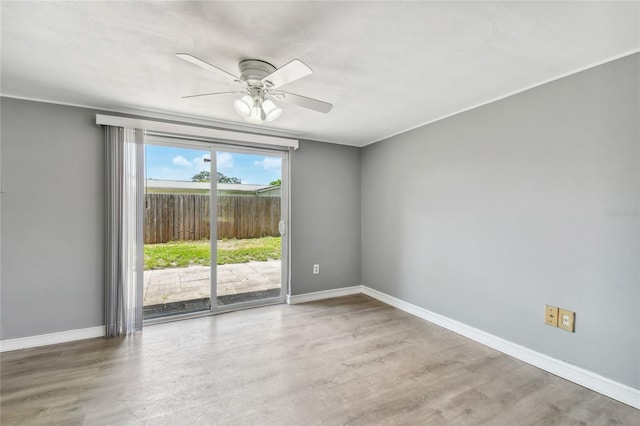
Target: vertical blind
x,y
124,238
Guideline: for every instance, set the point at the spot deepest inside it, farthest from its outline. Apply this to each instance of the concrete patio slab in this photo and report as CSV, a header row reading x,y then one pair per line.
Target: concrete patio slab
x,y
192,282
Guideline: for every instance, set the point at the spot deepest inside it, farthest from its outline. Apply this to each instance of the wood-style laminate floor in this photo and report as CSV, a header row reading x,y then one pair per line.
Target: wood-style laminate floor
x,y
350,360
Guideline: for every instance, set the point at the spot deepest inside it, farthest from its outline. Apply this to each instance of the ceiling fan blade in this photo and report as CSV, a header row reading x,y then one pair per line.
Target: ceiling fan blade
x,y
305,102
286,74
210,94
207,66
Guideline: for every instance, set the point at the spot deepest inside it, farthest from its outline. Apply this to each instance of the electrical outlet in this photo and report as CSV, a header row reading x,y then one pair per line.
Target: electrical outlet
x,y
316,269
551,315
566,320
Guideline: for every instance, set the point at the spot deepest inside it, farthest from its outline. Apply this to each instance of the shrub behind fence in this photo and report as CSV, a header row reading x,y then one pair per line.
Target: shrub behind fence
x,y
185,217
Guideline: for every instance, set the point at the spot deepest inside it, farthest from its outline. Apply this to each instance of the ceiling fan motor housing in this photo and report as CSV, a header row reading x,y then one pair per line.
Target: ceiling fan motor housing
x,y
254,70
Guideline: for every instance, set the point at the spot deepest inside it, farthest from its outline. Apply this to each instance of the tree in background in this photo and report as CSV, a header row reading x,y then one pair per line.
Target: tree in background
x,y
205,176
202,177
276,182
226,179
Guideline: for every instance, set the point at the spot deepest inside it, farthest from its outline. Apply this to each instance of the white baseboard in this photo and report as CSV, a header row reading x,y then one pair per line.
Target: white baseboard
x,y
326,294
51,339
580,376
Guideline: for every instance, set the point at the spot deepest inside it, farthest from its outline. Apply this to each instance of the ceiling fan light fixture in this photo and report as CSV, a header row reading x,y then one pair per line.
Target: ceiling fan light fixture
x,y
244,106
271,110
257,115
261,83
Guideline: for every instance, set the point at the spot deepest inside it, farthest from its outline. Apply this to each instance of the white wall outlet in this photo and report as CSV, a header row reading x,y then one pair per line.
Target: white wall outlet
x,y
566,320
316,269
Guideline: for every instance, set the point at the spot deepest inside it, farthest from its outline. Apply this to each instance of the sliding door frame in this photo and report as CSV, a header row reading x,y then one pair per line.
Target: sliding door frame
x,y
214,147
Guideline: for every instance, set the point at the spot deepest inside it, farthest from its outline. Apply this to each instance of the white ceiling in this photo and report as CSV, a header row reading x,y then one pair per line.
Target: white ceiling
x,y
386,66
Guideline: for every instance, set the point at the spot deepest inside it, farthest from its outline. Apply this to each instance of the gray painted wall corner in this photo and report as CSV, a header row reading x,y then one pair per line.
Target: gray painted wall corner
x,y
325,224
486,216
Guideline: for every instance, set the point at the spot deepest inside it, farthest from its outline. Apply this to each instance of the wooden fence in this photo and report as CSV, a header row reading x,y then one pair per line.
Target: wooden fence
x,y
185,217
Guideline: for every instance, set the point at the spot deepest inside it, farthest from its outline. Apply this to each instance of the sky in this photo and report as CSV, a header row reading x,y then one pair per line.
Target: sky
x,y
171,163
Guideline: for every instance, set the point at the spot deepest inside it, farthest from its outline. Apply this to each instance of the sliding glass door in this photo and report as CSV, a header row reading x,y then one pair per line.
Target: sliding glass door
x,y
251,240
177,232
214,227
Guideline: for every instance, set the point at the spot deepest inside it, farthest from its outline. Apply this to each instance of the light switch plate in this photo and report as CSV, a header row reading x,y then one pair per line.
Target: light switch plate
x,y
551,315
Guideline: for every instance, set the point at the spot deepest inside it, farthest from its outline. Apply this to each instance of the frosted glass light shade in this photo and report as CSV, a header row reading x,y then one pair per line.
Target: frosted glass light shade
x,y
271,111
243,106
257,115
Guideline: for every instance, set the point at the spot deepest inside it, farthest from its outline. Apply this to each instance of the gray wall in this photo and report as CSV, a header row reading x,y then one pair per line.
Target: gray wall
x,y
325,223
52,216
486,216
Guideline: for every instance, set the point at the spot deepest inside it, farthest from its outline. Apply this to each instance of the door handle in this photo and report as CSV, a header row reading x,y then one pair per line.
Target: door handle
x,y
281,227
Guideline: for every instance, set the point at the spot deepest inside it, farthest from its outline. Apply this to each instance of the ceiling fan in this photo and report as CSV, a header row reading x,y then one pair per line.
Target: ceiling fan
x,y
261,83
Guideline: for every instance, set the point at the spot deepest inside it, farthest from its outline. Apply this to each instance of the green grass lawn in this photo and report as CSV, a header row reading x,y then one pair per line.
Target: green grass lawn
x,y
186,253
